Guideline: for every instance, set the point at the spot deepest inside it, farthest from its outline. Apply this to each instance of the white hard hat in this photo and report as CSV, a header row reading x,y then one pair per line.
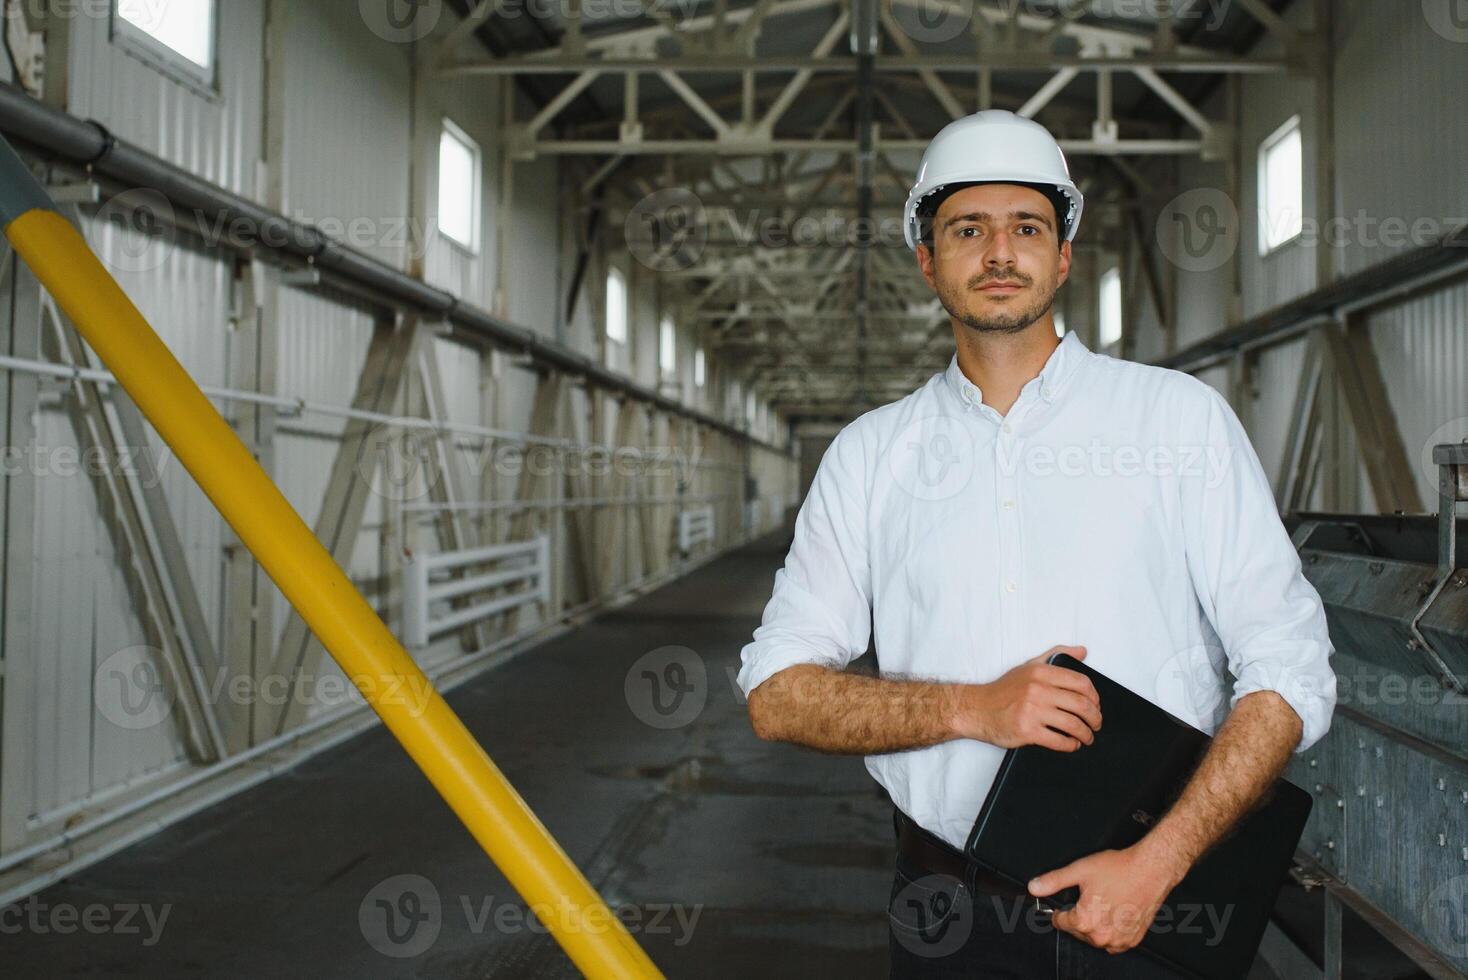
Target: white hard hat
x,y
994,146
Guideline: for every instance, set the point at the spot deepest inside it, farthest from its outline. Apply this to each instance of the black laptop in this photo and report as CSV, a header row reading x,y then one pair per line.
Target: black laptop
x,y
1048,808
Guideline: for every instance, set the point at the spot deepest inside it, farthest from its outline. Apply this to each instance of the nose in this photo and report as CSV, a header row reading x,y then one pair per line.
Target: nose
x,y
1000,253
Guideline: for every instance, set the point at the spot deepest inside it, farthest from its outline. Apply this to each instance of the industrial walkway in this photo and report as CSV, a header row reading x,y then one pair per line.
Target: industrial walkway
x,y
732,858
739,858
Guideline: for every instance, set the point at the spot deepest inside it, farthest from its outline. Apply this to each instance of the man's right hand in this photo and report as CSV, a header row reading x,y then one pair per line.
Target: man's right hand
x,y
1034,704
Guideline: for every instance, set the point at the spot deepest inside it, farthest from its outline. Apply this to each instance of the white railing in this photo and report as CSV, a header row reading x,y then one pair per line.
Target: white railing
x,y
426,582
695,526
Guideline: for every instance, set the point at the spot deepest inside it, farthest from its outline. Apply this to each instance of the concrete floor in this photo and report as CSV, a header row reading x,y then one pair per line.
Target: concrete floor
x,y
738,858
783,855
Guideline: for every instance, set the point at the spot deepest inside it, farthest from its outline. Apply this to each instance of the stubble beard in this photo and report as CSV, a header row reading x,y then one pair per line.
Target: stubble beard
x,y
1000,320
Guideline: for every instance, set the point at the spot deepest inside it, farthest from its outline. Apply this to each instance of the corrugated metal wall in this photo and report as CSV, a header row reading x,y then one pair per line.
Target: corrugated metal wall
x,y
1398,162
1400,146
1269,101
344,89
216,136
1423,350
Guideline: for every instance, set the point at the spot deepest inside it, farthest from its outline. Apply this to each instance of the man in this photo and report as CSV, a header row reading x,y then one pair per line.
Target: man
x,y
1035,496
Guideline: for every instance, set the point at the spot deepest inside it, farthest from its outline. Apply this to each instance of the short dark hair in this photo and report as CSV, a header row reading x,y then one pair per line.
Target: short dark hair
x,y
929,205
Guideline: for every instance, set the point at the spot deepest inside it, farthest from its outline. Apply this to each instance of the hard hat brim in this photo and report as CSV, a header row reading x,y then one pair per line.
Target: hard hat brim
x,y
1062,200
910,225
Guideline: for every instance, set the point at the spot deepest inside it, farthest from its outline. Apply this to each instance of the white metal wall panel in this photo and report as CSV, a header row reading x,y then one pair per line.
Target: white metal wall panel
x,y
1423,350
459,369
1398,157
321,348
1277,380
83,615
453,268
346,88
1391,147
1269,101
533,275
1400,144
473,105
1202,293
186,298
215,135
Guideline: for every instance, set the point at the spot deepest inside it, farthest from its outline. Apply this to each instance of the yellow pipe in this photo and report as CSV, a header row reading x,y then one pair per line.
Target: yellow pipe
x,y
351,631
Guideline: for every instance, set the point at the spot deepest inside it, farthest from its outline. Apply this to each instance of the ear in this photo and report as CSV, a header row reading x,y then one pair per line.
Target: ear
x,y
1063,270
925,263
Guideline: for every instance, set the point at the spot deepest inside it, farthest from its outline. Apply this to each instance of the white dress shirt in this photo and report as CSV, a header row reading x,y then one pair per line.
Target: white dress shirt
x,y
1117,506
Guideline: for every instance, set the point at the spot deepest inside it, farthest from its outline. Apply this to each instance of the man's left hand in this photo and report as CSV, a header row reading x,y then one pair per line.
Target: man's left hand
x,y
1121,892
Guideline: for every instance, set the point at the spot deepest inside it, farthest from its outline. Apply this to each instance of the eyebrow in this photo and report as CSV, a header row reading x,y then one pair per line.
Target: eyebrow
x,y
986,216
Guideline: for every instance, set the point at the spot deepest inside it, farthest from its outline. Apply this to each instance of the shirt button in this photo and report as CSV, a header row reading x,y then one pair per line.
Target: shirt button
x,y
1045,391
1009,505
1010,586
1008,427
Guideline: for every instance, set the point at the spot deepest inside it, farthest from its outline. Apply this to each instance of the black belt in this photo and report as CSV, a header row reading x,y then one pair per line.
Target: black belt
x,y
931,853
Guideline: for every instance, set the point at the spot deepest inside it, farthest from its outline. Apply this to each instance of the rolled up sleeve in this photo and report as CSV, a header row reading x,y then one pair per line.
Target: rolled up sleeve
x,y
820,610
1247,576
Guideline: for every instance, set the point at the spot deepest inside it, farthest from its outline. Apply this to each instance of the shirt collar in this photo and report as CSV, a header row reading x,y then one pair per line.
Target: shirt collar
x,y
1058,369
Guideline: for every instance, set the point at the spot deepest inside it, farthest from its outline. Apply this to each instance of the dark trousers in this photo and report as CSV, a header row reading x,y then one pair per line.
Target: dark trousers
x,y
939,931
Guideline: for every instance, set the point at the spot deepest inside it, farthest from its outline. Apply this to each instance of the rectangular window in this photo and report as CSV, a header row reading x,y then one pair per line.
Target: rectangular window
x,y
178,36
458,187
1110,306
616,306
1281,187
667,359
698,367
